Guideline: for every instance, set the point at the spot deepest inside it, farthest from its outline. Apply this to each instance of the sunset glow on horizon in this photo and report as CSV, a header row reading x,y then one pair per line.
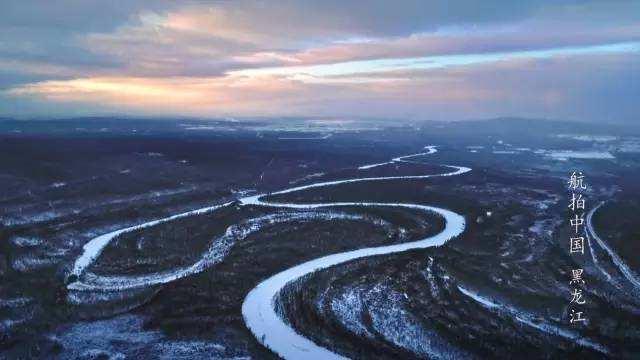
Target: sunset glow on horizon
x,y
412,60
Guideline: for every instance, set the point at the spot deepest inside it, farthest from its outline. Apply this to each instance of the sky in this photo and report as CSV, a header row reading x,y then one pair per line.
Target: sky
x,y
417,60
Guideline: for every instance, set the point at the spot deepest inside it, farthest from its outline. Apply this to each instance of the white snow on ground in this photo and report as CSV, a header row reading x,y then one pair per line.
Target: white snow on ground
x,y
596,262
19,216
102,297
258,308
389,319
15,302
532,321
592,138
431,279
307,177
617,260
94,247
28,263
564,155
105,338
19,313
542,227
216,252
7,325
124,337
349,307
22,241
398,326
189,350
19,219
259,312
631,145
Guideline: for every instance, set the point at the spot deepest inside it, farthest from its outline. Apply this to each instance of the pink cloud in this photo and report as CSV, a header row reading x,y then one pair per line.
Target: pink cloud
x,y
206,41
525,86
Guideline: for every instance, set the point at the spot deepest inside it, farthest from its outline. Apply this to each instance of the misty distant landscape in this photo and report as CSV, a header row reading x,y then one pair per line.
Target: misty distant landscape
x,y
176,288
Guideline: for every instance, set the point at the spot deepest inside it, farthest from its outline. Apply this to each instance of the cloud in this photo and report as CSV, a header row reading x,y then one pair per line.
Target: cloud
x,y
564,86
415,59
211,40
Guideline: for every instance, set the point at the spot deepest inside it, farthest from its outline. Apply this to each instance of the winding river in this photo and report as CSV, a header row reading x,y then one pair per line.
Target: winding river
x,y
258,308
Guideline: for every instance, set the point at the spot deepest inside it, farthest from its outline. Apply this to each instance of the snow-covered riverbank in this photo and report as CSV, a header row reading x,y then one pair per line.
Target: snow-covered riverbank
x,y
258,307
